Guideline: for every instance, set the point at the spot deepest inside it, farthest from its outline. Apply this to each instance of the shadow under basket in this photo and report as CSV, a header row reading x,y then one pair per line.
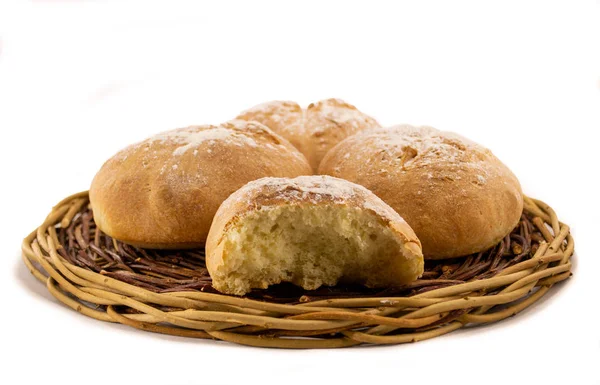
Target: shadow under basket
x,y
170,292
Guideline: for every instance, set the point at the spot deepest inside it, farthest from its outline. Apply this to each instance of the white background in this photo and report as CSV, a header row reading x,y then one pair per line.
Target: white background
x,y
80,80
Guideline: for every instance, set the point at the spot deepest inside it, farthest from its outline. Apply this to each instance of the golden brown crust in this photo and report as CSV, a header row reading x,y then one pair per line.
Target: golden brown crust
x,y
164,191
315,129
315,190
455,194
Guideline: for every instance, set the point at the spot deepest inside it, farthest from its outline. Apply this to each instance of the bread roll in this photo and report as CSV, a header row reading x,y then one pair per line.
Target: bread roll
x,y
164,191
456,195
315,129
311,231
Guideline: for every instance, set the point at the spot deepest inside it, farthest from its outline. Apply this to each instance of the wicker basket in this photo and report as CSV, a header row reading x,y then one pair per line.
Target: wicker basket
x,y
94,277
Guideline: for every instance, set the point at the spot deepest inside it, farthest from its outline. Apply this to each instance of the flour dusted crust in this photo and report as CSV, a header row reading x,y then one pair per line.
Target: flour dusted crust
x,y
164,191
455,194
267,195
313,130
315,190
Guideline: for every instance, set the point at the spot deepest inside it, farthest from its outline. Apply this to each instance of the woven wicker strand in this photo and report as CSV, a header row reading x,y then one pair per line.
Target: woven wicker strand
x,y
109,281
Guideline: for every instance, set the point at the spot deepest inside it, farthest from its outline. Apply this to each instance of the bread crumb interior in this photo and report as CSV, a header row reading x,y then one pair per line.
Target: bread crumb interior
x,y
311,246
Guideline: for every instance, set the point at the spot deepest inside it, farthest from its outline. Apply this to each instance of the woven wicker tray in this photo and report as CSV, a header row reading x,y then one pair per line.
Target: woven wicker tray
x,y
170,292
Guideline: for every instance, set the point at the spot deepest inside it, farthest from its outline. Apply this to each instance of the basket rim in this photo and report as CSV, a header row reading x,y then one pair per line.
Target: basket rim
x,y
327,323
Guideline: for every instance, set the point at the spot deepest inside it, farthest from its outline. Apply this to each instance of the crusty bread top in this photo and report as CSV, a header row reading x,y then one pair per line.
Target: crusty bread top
x,y
404,147
313,130
163,192
455,194
317,190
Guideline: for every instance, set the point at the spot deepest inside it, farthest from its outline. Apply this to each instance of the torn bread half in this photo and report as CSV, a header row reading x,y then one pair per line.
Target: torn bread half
x,y
310,231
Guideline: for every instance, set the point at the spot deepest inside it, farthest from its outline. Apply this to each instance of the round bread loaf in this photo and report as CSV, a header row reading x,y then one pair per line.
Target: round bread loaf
x,y
164,191
311,231
455,194
313,130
